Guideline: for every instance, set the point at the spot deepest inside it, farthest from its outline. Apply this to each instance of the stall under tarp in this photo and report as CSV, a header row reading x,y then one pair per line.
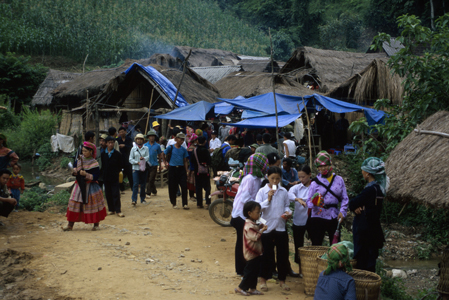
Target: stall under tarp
x,y
373,116
163,85
286,104
266,122
223,108
199,111
248,114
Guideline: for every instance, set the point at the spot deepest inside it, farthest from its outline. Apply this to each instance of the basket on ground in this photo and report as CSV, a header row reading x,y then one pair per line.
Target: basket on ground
x,y
367,284
309,266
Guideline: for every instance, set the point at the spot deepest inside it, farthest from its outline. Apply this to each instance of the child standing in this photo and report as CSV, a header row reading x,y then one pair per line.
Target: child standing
x,y
252,249
16,184
275,203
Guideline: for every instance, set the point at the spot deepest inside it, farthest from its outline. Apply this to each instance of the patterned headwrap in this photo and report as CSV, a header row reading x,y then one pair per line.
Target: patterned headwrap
x,y
338,258
256,165
3,137
199,132
162,139
323,159
91,146
193,138
376,167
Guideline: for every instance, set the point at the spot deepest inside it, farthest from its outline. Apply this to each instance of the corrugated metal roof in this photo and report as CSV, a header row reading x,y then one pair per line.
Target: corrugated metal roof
x,y
214,74
393,47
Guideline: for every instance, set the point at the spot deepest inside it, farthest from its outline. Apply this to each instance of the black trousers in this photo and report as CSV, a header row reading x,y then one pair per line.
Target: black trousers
x,y
202,181
250,274
240,262
318,227
298,239
127,172
6,209
366,258
177,176
112,192
151,186
278,239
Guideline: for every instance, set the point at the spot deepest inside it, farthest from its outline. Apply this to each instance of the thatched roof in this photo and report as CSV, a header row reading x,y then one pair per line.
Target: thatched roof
x,y
332,67
251,65
417,167
374,82
165,60
205,57
249,84
113,86
54,78
214,74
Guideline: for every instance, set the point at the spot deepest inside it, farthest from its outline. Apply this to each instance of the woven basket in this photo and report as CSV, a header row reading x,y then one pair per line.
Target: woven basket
x,y
309,266
443,283
367,284
322,264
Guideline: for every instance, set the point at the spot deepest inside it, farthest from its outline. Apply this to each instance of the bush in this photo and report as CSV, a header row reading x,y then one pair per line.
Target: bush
x,y
35,130
36,199
46,155
59,200
8,119
64,162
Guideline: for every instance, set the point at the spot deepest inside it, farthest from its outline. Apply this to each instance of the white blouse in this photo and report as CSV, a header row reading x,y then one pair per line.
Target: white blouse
x,y
300,214
247,191
272,211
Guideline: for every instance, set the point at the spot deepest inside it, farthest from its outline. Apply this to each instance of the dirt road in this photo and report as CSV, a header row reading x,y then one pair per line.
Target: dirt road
x,y
154,252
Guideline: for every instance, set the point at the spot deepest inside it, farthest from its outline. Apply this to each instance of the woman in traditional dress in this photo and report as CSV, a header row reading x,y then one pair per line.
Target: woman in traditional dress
x,y
86,203
367,231
193,141
326,192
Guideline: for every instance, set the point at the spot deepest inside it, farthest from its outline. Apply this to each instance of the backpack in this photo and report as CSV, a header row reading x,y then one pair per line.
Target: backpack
x,y
233,153
217,160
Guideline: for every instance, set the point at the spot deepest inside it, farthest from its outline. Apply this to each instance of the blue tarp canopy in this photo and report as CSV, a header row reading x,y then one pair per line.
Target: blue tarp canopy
x,y
286,104
248,114
164,85
372,116
266,122
199,111
223,108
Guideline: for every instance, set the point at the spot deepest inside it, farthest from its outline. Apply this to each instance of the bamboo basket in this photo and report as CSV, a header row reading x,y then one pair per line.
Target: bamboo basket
x,y
309,266
443,283
367,284
322,264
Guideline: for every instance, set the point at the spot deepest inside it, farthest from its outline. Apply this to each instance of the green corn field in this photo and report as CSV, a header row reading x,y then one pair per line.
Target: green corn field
x,y
110,31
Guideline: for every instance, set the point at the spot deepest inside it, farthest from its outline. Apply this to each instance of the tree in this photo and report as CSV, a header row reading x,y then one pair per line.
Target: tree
x,y
19,80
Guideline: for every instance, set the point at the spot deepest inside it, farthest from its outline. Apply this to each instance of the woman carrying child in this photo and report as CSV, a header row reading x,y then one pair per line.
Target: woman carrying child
x,y
298,194
252,249
253,174
86,206
275,203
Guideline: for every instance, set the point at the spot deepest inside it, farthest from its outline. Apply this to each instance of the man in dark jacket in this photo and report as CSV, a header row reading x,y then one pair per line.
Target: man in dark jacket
x,y
125,143
202,180
111,161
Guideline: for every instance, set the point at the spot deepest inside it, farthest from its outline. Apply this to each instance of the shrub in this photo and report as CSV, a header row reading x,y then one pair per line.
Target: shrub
x,y
33,199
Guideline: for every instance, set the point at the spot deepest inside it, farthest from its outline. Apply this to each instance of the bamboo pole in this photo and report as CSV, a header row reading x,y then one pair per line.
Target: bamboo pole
x,y
274,92
149,111
308,131
97,126
87,112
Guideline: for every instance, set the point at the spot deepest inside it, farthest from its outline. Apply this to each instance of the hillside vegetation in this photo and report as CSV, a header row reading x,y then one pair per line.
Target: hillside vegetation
x,y
110,31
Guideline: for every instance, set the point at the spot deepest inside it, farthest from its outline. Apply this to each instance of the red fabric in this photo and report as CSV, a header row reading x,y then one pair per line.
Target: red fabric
x,y
86,218
16,182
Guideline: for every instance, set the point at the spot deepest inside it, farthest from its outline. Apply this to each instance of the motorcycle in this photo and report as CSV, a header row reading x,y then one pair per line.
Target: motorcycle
x,y
221,209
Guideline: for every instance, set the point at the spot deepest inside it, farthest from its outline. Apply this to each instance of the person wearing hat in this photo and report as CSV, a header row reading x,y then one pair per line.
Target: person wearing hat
x,y
177,170
154,161
111,160
156,126
138,154
334,282
125,144
8,158
326,192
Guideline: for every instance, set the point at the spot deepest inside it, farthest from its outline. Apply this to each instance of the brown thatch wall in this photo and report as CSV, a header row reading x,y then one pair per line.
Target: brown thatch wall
x,y
205,57
332,67
417,166
374,82
165,60
43,96
249,84
252,65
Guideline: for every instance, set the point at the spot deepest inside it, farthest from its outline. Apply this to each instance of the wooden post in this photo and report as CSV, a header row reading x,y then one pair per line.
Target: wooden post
x,y
274,93
308,131
87,113
97,126
149,112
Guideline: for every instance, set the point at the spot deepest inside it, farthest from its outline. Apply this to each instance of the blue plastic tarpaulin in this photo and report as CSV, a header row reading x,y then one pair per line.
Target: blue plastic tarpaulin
x,y
166,85
337,106
248,114
286,104
199,111
223,108
266,122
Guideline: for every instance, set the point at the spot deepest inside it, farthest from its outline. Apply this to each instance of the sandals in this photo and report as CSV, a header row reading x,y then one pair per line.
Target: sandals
x,y
285,287
67,228
256,292
111,213
95,228
242,292
264,287
120,215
